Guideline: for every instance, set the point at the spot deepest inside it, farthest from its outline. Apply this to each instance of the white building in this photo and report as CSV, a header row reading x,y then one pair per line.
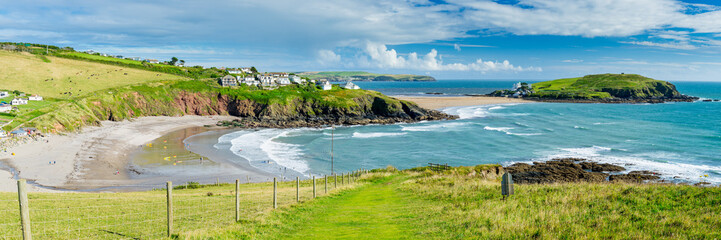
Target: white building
x,y
4,94
246,70
249,80
235,71
325,85
516,86
351,85
3,133
19,101
283,81
35,98
5,107
297,79
267,80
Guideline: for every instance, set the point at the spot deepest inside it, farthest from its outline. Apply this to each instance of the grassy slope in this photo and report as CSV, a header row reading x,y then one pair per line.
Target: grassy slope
x,y
385,205
28,73
427,206
33,75
591,86
142,215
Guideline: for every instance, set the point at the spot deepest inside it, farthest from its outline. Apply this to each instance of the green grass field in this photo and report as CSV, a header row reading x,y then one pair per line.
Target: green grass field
x,y
60,77
142,215
413,204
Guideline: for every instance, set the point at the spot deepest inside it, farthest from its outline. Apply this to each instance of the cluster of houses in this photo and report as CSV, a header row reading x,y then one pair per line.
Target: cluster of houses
x,y
20,132
6,107
272,80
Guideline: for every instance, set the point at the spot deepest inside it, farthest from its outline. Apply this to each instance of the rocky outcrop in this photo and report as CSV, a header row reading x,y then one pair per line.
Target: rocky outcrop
x,y
574,170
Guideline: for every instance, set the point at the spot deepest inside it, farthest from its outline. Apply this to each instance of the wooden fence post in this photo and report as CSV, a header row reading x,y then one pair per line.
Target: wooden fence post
x,y
297,189
24,210
326,183
217,182
247,178
237,200
506,185
313,186
335,185
169,196
275,193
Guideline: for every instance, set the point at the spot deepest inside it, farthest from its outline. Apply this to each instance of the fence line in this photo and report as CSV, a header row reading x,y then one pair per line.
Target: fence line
x,y
158,213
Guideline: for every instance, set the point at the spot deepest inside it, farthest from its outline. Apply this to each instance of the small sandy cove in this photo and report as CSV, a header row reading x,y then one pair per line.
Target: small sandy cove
x,y
444,102
90,157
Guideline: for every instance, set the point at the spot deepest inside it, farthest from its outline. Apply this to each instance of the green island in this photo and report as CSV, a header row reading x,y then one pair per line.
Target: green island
x,y
600,88
458,203
365,76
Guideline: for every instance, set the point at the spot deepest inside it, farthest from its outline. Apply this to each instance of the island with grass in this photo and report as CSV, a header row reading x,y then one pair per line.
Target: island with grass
x,y
600,88
366,76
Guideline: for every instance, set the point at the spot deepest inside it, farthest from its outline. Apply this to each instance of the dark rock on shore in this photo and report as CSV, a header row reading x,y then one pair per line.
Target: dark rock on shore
x,y
634,177
574,170
558,170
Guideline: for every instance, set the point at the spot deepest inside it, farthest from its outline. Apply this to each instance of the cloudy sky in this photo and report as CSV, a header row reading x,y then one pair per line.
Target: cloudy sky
x,y
451,39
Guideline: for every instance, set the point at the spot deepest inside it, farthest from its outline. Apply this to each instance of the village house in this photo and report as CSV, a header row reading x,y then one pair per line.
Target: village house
x,y
19,101
4,94
246,70
235,71
228,81
297,79
267,80
35,98
152,61
250,81
3,133
325,85
90,52
351,85
5,107
136,58
18,133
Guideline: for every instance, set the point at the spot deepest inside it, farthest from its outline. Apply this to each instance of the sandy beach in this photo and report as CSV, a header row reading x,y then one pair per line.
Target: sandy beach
x,y
91,158
444,102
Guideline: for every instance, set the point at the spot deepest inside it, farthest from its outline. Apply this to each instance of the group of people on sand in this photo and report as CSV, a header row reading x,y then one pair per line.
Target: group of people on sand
x,y
52,162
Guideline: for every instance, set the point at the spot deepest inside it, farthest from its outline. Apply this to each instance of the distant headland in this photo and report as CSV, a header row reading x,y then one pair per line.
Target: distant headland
x,y
599,88
366,76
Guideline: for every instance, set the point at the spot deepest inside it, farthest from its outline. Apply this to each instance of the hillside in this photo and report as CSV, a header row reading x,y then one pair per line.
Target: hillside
x,y
289,106
608,87
364,76
460,203
62,78
95,88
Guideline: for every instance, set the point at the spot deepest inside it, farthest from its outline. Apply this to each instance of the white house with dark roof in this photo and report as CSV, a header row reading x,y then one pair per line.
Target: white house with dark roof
x,y
19,101
351,85
228,81
325,85
35,98
5,107
4,94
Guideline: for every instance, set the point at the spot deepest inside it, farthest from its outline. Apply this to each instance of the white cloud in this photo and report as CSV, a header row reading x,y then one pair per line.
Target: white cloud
x,y
382,57
573,61
457,47
328,57
590,18
672,45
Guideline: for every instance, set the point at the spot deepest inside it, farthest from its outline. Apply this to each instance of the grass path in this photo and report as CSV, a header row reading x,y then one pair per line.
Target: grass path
x,y
374,211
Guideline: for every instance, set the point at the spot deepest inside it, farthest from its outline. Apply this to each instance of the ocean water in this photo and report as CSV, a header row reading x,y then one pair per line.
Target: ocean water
x,y
682,141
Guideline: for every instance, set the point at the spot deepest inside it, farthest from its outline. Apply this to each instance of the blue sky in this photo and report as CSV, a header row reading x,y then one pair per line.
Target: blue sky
x,y
451,39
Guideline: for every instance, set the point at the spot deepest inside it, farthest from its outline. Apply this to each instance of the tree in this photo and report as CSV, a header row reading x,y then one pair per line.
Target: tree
x,y
252,69
173,61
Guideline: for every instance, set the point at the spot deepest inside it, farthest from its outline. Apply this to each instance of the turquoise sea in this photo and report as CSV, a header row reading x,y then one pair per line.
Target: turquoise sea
x,y
681,141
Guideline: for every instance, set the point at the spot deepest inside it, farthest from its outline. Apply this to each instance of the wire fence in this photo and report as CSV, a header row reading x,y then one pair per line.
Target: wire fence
x,y
150,214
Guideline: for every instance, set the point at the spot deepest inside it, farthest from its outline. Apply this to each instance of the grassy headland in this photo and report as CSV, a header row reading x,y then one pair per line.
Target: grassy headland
x,y
604,88
364,76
